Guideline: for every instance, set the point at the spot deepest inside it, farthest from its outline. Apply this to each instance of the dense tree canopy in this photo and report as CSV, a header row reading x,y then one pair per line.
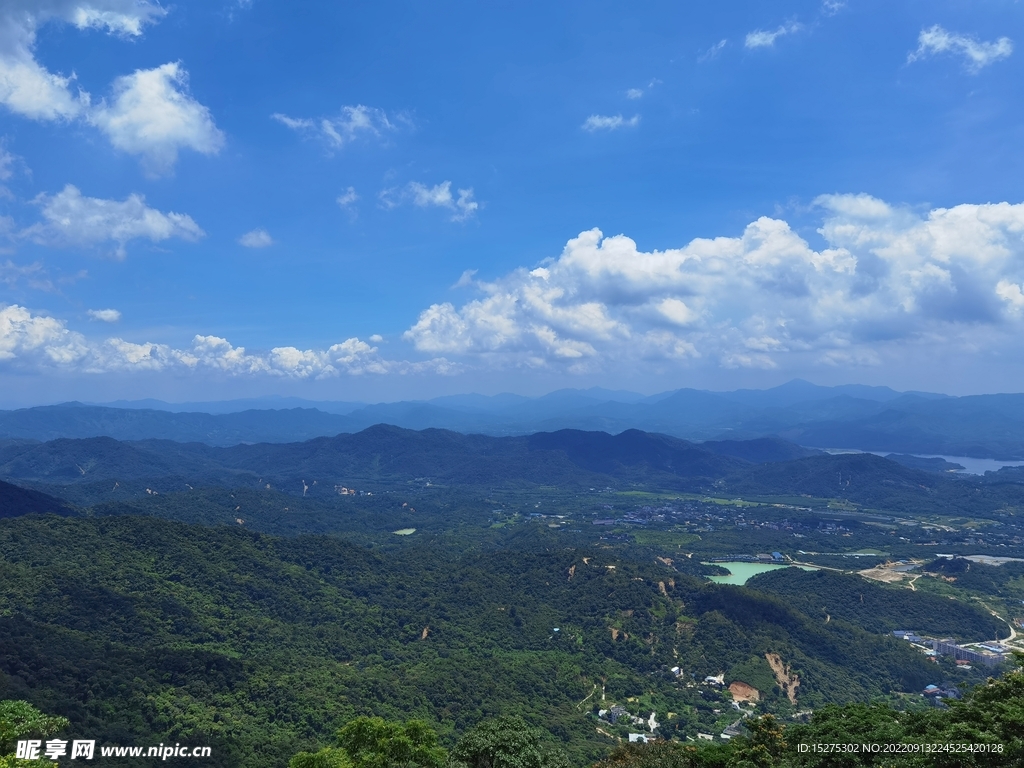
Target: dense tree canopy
x,y
505,742
20,720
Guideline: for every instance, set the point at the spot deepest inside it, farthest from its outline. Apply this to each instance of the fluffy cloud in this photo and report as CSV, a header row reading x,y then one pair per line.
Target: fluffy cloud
x,y
886,277
35,337
28,88
104,315
152,115
257,238
762,38
71,219
350,124
36,342
976,54
609,122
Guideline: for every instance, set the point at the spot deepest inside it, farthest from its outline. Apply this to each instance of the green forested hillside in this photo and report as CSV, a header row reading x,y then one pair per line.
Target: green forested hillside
x,y
875,482
879,608
385,457
140,629
1006,580
378,454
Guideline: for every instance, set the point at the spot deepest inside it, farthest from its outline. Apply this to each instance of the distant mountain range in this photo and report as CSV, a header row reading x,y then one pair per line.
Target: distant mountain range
x,y
851,416
384,458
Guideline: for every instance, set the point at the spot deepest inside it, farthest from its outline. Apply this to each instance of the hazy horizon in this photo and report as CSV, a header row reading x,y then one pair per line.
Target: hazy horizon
x,y
605,392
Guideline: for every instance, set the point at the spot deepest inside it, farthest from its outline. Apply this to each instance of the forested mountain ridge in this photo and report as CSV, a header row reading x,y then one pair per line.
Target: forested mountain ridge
x,y
383,456
141,629
378,454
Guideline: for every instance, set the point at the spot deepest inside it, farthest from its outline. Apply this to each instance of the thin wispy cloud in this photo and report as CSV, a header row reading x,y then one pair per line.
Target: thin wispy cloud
x,y
7,161
104,315
713,51
350,124
638,93
33,275
257,238
463,206
440,195
347,198
761,38
465,279
976,54
609,122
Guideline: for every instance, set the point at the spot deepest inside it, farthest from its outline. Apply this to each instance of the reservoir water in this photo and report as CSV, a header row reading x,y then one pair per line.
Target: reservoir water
x,y
973,466
739,573
970,464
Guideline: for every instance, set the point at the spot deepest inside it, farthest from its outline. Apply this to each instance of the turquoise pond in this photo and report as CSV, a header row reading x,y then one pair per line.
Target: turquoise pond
x,y
739,573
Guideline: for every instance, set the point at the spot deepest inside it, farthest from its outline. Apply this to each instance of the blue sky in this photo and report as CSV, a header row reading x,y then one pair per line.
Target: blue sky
x,y
399,200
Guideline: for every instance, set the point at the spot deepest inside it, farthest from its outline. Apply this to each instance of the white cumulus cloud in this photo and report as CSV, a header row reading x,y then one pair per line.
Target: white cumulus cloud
x,y
26,86
609,122
33,341
976,54
151,114
104,315
26,337
257,238
72,219
885,278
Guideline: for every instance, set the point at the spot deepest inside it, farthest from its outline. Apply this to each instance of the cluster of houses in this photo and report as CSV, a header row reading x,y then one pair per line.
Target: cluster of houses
x,y
619,713
935,694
